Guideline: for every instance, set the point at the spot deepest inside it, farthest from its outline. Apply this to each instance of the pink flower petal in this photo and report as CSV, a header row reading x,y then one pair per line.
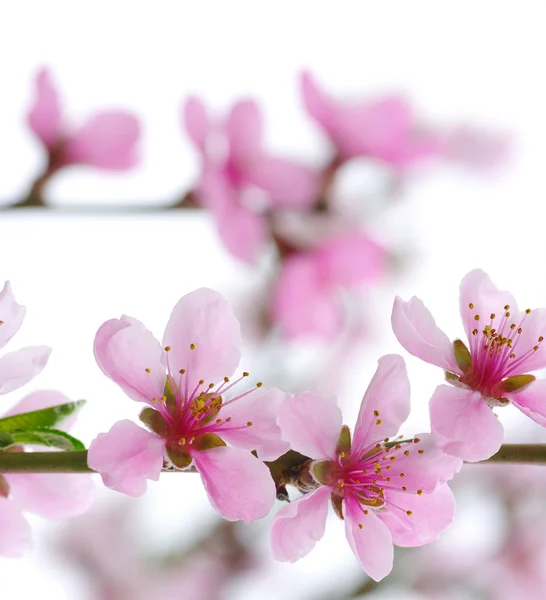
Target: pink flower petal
x,y
107,141
477,148
478,289
371,543
289,183
244,130
311,423
431,514
238,484
416,330
126,457
319,105
45,115
264,435
531,400
19,367
15,539
53,496
463,425
124,349
196,121
11,315
302,305
298,526
351,259
386,403
243,232
380,128
203,318
425,466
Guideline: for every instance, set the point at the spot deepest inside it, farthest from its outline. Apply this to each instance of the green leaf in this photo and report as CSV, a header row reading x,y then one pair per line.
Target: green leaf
x,y
44,436
47,417
6,440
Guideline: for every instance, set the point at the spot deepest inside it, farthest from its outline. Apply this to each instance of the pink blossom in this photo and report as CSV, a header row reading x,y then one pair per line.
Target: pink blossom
x,y
107,140
189,416
240,180
54,496
21,366
306,298
384,129
387,490
504,345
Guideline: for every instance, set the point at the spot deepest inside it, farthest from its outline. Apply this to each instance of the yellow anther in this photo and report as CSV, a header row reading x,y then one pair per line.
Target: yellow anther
x,y
341,484
402,474
492,316
182,371
182,441
360,526
201,381
388,467
376,413
148,370
245,374
476,317
388,479
192,346
226,379
228,420
218,421
211,385
420,492
404,488
154,399
527,311
393,457
535,348
507,307
512,355
540,339
365,511
249,423
507,314
474,332
420,451
416,440
168,348
259,384
409,513
520,330
406,452
513,326
378,422
342,454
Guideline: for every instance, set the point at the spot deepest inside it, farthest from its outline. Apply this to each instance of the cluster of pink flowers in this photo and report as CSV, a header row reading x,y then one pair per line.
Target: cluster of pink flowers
x,y
388,488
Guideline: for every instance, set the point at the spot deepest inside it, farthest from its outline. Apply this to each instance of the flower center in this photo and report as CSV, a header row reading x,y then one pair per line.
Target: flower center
x,y
498,351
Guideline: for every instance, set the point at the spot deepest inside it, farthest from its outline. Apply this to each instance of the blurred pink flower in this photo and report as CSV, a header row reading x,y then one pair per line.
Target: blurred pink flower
x,y
54,496
107,140
384,129
386,491
190,419
21,366
306,295
505,343
240,181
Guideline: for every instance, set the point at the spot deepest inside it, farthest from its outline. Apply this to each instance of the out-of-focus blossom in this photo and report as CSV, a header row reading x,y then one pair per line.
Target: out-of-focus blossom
x,y
306,298
387,491
189,417
107,546
21,366
505,343
240,181
385,129
54,496
107,140
476,148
